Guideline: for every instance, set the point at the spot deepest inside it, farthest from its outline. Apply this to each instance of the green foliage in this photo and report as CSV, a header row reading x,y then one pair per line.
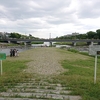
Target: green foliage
x,y
76,51
73,50
87,35
82,36
37,42
69,43
80,75
91,34
14,67
98,33
15,35
63,43
81,78
12,74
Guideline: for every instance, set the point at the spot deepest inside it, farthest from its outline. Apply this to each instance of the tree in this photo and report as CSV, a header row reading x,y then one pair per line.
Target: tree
x,y
98,33
15,35
91,34
81,36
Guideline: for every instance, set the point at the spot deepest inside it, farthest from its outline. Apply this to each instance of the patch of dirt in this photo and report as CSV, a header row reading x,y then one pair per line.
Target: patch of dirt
x,y
46,61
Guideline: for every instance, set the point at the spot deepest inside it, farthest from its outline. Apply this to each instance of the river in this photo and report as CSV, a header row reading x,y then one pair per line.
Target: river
x,y
21,49
7,50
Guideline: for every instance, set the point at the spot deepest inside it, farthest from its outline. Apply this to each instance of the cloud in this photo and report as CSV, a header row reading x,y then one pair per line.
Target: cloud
x,y
42,17
89,9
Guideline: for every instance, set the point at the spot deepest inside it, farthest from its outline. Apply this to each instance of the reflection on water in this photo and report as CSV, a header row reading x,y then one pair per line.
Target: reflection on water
x,y
39,45
7,50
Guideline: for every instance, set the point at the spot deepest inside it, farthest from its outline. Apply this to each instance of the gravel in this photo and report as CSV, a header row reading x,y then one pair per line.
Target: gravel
x,y
45,61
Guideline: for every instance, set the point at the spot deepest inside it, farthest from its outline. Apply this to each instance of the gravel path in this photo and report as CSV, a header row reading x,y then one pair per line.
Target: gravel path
x,y
45,61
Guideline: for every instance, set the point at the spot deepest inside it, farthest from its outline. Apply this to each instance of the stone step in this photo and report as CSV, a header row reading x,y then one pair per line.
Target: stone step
x,y
32,82
53,87
2,98
39,83
40,96
39,90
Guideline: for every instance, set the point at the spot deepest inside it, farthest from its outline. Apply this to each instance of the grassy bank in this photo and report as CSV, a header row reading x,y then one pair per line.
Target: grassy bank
x,y
69,43
13,71
80,75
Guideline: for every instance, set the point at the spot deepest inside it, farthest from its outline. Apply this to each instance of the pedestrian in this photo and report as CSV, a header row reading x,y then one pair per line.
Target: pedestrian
x,y
17,53
11,52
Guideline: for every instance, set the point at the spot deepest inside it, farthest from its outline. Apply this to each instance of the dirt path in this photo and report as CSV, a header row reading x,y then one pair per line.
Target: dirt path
x,y
45,61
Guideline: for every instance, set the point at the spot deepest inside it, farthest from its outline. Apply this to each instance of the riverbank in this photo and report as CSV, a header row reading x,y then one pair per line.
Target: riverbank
x,y
47,67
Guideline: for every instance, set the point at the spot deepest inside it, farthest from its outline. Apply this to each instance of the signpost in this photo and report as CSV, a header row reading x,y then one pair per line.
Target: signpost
x,y
2,57
95,51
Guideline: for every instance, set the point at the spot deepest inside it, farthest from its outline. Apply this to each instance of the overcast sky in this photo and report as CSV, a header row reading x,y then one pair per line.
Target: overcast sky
x,y
49,18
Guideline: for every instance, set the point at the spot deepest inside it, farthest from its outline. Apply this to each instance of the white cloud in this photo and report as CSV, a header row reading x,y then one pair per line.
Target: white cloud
x,y
42,17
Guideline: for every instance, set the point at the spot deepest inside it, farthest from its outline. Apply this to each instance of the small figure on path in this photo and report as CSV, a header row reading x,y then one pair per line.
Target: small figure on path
x,y
17,53
14,50
11,52
14,53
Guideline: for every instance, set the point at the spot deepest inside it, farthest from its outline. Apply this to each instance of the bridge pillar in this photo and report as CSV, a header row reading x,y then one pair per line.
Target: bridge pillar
x,y
74,43
50,44
25,43
9,42
89,43
98,43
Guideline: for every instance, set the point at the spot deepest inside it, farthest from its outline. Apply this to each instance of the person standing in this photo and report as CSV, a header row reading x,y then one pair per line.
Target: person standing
x,y
11,52
17,53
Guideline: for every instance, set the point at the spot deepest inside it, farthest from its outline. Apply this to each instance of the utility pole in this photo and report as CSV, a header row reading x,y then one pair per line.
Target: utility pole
x,y
50,41
50,36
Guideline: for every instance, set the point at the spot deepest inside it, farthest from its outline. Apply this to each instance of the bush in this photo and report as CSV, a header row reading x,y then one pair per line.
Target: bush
x,y
73,50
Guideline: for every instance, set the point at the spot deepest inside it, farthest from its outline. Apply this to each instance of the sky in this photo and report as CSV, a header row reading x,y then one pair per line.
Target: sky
x,y
49,18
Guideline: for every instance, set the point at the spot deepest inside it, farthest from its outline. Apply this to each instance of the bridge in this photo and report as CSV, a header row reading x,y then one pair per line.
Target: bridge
x,y
73,41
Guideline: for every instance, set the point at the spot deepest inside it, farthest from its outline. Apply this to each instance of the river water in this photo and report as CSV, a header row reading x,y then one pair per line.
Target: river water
x,y
21,49
7,50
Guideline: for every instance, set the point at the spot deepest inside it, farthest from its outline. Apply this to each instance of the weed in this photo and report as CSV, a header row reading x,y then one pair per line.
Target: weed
x,y
80,75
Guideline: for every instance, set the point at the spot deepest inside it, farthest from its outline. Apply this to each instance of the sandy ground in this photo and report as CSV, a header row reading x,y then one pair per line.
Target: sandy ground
x,y
45,61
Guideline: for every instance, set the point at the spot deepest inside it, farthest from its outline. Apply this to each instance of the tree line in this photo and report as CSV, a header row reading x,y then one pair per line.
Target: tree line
x,y
88,35
18,35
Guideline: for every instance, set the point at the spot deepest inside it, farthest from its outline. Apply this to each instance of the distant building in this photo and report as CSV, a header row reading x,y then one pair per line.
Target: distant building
x,y
68,35
7,34
74,34
4,35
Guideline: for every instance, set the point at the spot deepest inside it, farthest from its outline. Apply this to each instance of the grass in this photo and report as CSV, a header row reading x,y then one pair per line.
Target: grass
x,y
12,73
70,43
80,75
37,42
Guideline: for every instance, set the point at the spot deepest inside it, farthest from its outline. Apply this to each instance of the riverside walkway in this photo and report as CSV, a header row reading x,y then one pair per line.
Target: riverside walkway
x,y
44,65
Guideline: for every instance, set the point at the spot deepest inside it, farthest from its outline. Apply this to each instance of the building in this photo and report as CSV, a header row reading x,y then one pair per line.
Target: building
x,y
4,35
74,34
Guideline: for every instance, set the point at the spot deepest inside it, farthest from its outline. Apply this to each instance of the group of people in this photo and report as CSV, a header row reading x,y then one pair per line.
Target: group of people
x,y
13,53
